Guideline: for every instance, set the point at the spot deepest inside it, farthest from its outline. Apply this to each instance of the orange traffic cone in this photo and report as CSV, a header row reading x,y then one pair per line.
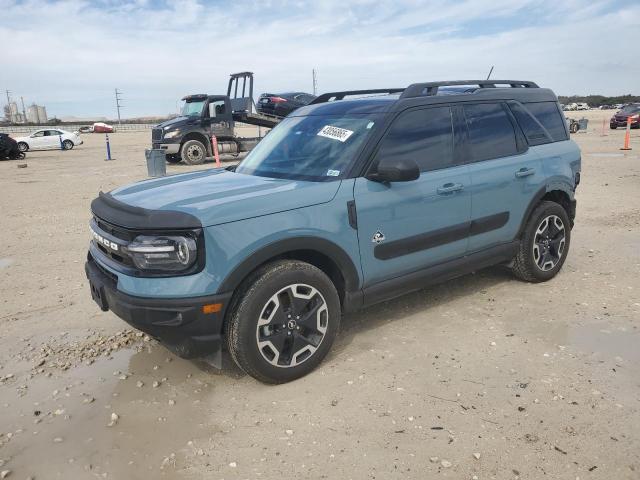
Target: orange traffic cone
x,y
627,135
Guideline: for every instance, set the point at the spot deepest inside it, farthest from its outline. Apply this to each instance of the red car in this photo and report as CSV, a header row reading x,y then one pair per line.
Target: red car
x,y
629,111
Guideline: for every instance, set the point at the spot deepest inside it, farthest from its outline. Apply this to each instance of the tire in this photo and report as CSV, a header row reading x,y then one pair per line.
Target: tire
x,y
613,127
174,158
193,152
574,127
67,145
23,147
543,247
282,321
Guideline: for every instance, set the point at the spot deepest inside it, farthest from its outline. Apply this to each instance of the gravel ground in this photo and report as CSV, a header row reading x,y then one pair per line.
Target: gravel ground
x,y
482,377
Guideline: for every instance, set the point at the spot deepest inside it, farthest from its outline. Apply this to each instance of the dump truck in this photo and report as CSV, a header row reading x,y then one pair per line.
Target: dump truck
x,y
189,137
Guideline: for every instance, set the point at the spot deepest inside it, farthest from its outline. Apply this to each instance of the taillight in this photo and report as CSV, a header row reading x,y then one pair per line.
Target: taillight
x,y
277,99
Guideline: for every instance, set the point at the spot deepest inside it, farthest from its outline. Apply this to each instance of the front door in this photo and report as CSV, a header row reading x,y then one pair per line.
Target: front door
x,y
404,227
219,119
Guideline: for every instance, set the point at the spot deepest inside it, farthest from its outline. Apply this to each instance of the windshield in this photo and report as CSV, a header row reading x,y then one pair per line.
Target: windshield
x,y
192,109
314,148
631,109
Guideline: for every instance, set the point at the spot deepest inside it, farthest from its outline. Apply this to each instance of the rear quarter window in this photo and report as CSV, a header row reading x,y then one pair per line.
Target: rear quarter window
x,y
533,130
548,114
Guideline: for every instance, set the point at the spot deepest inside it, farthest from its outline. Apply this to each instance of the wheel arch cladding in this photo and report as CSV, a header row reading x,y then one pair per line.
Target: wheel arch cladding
x,y
558,196
321,253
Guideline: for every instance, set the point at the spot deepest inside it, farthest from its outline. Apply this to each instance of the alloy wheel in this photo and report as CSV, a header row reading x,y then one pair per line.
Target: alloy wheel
x,y
292,325
549,242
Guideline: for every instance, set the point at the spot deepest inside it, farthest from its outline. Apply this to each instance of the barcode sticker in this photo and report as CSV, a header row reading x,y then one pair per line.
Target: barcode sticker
x,y
336,133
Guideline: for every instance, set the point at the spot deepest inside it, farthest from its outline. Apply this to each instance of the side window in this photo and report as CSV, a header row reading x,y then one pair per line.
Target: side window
x,y
216,108
491,133
536,134
38,134
424,136
549,116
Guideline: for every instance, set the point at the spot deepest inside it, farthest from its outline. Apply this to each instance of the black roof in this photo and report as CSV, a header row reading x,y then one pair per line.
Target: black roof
x,y
392,99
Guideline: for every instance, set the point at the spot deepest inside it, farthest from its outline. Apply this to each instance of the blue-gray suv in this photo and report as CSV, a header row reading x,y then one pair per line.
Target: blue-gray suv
x,y
355,199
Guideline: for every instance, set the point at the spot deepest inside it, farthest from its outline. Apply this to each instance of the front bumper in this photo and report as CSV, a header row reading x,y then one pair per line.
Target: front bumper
x,y
623,123
168,148
178,323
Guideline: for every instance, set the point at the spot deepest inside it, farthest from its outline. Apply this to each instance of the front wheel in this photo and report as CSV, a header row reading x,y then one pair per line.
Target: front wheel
x,y
23,147
67,145
283,321
193,152
544,244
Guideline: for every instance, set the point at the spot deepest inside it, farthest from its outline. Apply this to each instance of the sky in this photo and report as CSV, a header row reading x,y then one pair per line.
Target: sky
x,y
70,55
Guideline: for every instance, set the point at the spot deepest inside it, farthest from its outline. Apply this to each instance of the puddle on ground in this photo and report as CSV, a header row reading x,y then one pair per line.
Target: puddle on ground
x,y
5,262
596,339
65,418
605,155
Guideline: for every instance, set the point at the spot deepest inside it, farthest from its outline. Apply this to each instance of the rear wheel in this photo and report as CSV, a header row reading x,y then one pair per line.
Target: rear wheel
x,y
193,152
283,321
574,127
544,244
67,145
23,147
613,127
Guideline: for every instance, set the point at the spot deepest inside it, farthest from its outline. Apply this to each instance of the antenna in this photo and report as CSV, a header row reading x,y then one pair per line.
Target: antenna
x,y
490,72
315,81
118,105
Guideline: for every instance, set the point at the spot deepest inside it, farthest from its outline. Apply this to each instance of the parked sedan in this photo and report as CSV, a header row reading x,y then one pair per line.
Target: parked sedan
x,y
630,111
49,139
282,104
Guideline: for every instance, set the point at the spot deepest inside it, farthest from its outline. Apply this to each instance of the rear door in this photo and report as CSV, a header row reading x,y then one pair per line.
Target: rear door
x,y
505,174
404,227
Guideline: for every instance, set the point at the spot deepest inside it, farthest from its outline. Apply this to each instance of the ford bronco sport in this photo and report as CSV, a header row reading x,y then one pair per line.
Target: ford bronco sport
x,y
347,202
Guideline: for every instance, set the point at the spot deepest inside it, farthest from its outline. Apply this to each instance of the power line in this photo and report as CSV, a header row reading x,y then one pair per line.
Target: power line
x,y
118,105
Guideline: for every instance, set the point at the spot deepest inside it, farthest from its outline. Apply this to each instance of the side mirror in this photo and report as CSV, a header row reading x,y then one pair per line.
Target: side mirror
x,y
392,170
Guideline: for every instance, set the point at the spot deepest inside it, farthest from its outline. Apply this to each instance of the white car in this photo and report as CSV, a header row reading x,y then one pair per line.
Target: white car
x,y
49,139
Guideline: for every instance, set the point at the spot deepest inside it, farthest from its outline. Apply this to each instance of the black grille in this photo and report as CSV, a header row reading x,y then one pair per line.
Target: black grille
x,y
156,134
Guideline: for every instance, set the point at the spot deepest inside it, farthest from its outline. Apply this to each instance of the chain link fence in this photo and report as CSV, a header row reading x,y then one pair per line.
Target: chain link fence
x,y
125,127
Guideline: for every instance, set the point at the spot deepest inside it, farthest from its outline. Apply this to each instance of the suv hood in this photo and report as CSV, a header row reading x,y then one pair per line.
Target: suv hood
x,y
219,196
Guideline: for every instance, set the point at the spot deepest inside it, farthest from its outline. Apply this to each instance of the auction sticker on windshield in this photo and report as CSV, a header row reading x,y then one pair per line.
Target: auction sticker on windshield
x,y
336,133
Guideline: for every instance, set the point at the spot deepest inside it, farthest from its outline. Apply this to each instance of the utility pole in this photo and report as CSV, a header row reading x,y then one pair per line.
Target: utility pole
x,y
118,105
315,81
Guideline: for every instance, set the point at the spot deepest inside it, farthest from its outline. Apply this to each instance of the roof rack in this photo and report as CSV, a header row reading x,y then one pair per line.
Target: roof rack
x,y
333,96
431,88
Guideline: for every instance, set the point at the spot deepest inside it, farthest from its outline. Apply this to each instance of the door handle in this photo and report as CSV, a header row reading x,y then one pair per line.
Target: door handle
x,y
525,172
450,188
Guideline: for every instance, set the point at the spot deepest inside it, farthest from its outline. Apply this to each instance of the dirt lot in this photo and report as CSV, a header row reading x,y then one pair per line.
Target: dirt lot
x,y
482,377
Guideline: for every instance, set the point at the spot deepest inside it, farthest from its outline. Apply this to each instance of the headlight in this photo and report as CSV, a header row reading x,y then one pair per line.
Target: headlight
x,y
167,253
172,134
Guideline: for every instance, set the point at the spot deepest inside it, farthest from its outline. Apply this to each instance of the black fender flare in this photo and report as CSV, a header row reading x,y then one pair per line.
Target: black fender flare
x,y
537,198
290,246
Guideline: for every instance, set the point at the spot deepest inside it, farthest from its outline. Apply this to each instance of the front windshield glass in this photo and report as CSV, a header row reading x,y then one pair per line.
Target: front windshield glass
x,y
192,109
314,148
631,109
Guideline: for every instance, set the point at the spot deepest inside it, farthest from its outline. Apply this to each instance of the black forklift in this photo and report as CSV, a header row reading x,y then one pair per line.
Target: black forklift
x,y
188,138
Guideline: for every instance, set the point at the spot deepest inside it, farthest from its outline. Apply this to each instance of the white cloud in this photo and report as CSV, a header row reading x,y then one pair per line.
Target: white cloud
x,y
72,53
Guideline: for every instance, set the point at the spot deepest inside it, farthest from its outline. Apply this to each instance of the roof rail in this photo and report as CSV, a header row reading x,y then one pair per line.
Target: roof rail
x,y
332,96
431,88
